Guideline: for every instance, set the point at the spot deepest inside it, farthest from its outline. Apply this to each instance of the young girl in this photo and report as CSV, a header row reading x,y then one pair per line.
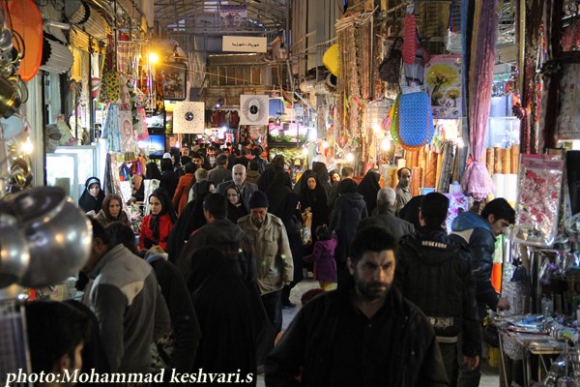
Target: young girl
x,y
323,257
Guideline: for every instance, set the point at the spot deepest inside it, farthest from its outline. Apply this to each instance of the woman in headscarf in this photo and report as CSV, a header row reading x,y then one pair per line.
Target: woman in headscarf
x,y
152,171
190,220
334,176
180,198
223,304
313,199
410,212
156,226
322,175
93,196
289,212
112,211
266,178
236,207
350,208
369,187
279,187
169,179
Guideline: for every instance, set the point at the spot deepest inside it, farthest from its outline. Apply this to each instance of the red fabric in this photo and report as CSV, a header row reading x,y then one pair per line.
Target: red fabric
x,y
165,226
181,192
409,40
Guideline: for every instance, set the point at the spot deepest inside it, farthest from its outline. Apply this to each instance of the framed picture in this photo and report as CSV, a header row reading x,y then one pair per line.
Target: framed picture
x,y
174,77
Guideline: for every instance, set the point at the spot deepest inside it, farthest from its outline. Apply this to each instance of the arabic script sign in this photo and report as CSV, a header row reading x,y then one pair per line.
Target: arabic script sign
x,y
244,44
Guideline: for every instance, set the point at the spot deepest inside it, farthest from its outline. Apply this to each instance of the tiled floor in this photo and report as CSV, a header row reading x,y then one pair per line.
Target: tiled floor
x,y
490,377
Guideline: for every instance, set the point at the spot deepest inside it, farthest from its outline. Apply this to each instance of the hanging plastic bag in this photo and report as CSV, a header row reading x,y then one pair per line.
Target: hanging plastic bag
x,y
539,188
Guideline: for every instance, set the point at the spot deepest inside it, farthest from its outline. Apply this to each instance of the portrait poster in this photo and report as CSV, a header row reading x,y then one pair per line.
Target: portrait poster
x,y
568,121
233,15
174,79
127,133
444,86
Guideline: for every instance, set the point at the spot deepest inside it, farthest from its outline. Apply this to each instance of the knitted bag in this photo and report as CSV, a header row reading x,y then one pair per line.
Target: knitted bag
x,y
390,67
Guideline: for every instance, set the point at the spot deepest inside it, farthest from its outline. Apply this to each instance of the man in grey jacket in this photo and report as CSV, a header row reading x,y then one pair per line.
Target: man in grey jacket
x,y
126,299
270,242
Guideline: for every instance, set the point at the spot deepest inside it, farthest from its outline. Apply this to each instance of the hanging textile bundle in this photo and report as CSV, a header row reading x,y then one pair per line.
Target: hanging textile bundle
x,y
415,120
476,180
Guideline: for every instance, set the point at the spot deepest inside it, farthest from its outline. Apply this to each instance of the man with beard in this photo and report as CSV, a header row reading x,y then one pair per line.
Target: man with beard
x,y
363,334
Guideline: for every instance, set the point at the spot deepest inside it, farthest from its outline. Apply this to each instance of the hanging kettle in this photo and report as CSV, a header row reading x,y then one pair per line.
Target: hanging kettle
x,y
57,234
14,256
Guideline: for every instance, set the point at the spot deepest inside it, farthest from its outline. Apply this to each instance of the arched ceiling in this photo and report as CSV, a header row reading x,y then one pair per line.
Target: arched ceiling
x,y
202,17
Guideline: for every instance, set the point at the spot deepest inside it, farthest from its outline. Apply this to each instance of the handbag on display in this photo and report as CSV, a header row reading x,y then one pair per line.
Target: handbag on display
x,y
390,67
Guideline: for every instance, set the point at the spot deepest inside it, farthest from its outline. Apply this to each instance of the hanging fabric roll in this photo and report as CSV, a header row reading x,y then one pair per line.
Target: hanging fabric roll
x,y
446,167
497,165
439,166
416,181
489,160
430,170
422,158
506,161
415,159
515,158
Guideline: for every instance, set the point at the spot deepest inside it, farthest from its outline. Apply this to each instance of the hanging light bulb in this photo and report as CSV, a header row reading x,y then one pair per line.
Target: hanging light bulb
x,y
350,157
27,146
385,144
324,144
305,151
153,58
460,143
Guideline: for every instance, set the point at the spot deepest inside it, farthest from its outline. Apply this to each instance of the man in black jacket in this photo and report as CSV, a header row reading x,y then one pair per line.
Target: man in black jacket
x,y
363,334
434,273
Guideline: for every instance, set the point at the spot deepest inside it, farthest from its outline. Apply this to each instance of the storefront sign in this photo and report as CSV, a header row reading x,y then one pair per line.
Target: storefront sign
x,y
244,44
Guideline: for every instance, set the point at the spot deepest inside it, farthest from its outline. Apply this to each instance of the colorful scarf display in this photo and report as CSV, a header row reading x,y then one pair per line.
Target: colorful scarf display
x,y
476,180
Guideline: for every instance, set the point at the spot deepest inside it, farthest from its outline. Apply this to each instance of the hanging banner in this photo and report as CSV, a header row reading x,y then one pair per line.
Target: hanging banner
x,y
244,44
127,133
568,121
443,84
233,15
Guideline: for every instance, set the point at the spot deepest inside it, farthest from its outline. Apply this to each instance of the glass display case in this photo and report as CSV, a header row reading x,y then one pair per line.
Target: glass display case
x,y
62,171
85,166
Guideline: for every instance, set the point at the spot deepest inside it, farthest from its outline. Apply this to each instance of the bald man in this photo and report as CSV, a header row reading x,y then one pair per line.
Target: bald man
x,y
385,218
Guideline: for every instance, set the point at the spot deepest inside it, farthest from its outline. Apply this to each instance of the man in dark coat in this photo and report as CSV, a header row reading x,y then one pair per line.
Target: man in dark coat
x,y
363,334
349,210
223,234
434,273
385,218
